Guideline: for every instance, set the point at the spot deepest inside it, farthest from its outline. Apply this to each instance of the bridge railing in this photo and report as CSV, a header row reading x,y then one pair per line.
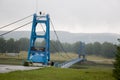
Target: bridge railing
x,y
67,64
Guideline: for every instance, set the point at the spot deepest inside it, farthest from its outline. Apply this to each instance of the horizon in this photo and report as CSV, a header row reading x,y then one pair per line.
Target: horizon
x,y
70,37
68,32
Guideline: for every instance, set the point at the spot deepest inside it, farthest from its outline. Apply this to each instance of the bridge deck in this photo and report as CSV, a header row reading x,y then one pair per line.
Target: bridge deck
x,y
70,63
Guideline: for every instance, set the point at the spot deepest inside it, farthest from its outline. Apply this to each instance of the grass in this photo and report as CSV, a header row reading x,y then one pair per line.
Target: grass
x,y
62,56
92,65
94,62
52,73
100,59
11,61
19,59
93,69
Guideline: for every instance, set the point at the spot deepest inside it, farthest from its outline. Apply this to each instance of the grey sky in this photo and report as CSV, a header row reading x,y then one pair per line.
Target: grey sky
x,y
86,16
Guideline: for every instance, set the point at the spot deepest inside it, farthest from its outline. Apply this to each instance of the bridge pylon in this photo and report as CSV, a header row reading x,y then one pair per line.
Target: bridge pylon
x,y
41,55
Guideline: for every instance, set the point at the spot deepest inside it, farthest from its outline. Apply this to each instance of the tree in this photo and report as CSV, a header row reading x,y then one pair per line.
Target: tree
x,y
76,47
23,44
16,44
54,46
116,71
58,46
97,48
2,45
68,47
10,45
108,50
89,49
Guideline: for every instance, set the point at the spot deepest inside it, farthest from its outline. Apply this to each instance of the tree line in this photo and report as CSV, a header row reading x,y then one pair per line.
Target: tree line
x,y
13,46
116,70
105,49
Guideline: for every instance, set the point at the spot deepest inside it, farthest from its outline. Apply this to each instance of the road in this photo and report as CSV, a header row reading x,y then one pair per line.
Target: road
x,y
9,68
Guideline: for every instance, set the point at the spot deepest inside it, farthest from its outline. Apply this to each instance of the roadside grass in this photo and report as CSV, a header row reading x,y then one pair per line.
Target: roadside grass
x,y
51,73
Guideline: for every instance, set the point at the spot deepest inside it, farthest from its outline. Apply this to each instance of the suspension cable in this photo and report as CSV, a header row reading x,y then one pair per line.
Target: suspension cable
x,y
15,29
58,38
57,50
53,44
16,21
42,28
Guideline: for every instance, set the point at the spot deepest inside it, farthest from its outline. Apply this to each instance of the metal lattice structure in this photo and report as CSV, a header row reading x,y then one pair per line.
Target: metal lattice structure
x,y
41,55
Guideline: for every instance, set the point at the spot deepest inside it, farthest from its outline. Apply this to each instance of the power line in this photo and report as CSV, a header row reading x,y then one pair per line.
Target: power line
x,y
58,38
16,21
15,29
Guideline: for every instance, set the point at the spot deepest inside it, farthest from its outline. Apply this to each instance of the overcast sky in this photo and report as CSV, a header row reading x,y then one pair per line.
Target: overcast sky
x,y
77,16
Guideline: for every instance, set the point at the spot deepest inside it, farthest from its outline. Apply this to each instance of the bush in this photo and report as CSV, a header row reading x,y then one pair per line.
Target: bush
x,y
116,71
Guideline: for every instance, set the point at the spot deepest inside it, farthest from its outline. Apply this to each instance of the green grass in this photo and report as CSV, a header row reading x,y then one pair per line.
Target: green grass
x,y
92,65
11,61
59,74
19,59
89,70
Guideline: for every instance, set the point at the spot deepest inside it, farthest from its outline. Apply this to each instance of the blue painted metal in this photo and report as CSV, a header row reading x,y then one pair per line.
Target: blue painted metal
x,y
82,50
42,55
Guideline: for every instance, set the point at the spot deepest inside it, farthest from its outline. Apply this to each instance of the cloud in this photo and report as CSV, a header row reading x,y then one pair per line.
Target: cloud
x,y
84,15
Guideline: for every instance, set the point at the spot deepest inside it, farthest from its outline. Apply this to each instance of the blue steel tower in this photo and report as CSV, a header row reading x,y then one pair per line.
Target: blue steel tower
x,y
41,55
82,50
